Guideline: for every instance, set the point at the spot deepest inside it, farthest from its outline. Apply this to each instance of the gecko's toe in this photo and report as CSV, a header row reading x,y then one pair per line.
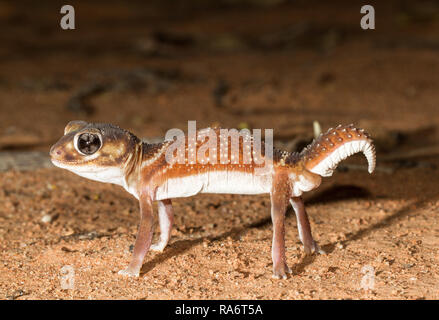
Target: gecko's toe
x,y
159,247
317,249
129,273
314,248
281,272
320,250
279,277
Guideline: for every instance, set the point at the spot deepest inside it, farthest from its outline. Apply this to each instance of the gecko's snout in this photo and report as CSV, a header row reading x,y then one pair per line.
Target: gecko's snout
x,y
55,151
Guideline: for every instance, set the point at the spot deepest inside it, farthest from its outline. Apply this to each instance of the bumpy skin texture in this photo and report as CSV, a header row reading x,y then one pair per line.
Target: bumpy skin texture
x,y
107,153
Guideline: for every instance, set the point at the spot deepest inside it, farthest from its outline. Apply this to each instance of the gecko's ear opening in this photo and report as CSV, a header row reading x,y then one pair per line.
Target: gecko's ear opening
x,y
74,125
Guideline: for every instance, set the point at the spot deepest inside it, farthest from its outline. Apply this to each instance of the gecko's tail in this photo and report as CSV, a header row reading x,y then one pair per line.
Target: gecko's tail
x,y
324,154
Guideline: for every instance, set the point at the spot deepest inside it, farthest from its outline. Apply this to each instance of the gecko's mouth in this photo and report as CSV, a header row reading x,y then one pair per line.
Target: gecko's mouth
x,y
55,162
80,169
62,164
70,165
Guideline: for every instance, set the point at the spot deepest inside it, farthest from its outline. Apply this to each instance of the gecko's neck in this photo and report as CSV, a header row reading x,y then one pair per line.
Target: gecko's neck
x,y
131,169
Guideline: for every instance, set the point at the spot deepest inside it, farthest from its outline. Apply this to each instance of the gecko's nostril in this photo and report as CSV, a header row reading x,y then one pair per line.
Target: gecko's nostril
x,y
55,151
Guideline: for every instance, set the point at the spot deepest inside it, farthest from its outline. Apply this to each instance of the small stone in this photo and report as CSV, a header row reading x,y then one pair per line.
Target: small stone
x,y
51,186
47,218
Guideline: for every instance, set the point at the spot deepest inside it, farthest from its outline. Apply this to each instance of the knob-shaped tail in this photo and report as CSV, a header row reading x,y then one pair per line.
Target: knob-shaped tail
x,y
324,154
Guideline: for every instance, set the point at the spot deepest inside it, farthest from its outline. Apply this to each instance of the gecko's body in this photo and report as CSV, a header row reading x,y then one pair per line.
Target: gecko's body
x,y
107,153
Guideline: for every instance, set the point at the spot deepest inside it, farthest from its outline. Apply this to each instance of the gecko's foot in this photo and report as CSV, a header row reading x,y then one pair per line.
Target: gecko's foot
x,y
159,246
129,273
281,271
314,248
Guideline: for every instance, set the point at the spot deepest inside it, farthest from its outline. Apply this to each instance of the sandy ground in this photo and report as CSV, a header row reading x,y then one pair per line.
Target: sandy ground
x,y
279,67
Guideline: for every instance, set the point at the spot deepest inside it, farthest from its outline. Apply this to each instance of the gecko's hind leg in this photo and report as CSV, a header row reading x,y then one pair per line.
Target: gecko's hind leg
x,y
304,227
279,203
166,218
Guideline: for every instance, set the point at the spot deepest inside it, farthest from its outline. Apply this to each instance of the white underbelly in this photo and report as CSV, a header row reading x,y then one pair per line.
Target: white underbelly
x,y
214,182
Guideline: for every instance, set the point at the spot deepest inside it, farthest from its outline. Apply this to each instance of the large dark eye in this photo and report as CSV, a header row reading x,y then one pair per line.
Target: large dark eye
x,y
89,143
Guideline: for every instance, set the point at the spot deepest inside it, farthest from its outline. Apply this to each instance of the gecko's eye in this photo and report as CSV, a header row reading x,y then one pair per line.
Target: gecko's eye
x,y
88,143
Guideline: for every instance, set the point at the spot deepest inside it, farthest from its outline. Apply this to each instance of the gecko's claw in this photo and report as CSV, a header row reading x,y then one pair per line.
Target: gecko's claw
x,y
159,246
314,248
281,273
129,273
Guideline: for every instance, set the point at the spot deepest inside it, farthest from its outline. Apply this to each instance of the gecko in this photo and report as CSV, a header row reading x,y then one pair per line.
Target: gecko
x,y
107,153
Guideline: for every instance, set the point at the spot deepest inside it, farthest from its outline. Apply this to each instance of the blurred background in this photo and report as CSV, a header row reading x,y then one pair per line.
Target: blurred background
x,y
149,66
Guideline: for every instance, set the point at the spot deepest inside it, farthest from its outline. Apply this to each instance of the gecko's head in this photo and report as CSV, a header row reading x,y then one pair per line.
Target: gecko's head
x,y
94,150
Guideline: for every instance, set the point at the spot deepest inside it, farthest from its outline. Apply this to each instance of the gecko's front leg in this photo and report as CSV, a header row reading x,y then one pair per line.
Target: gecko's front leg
x,y
166,218
304,227
144,237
